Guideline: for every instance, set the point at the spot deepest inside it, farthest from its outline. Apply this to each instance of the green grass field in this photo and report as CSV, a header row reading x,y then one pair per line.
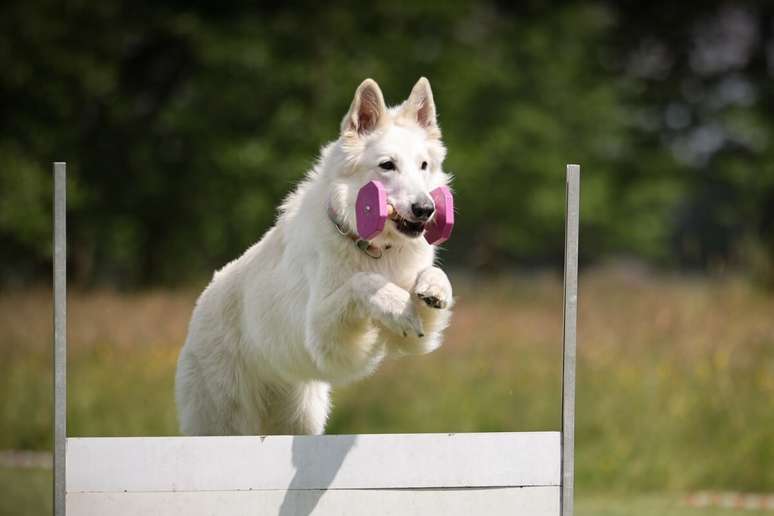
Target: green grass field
x,y
675,381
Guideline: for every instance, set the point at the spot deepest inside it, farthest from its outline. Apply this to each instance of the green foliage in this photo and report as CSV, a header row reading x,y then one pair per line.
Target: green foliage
x,y
185,124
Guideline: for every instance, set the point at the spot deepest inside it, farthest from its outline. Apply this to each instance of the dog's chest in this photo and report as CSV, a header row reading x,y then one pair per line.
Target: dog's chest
x,y
401,272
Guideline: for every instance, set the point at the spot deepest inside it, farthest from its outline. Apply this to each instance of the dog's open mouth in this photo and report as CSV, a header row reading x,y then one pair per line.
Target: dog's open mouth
x,y
407,227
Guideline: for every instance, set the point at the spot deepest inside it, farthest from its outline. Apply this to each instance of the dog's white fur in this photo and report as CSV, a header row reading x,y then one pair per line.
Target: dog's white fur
x,y
304,308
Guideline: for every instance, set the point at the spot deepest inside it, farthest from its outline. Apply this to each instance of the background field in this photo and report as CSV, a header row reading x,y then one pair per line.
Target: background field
x,y
675,383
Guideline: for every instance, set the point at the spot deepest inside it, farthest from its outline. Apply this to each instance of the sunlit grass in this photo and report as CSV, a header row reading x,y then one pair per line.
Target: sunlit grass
x,y
25,492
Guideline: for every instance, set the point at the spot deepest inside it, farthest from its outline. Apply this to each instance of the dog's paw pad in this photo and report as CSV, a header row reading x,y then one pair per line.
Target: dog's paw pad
x,y
433,288
432,301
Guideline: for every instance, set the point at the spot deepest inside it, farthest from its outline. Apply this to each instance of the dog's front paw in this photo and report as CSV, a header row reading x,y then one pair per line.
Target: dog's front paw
x,y
392,306
433,288
404,323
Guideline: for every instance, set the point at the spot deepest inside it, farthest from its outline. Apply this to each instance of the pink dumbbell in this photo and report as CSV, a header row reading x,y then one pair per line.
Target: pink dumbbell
x,y
372,211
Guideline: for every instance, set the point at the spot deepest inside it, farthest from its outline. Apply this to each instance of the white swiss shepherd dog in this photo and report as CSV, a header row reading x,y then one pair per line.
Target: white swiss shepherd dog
x,y
305,308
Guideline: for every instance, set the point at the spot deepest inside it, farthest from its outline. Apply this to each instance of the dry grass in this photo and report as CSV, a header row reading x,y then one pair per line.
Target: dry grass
x,y
155,318
675,375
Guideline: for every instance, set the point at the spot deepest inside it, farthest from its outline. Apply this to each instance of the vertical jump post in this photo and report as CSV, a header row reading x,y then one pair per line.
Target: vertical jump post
x,y
60,334
572,216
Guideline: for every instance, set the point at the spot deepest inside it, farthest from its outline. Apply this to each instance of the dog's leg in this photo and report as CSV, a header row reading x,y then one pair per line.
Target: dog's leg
x,y
340,335
432,294
203,401
298,409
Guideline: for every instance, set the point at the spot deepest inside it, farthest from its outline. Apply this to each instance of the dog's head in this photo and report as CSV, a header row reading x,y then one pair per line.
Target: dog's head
x,y
401,148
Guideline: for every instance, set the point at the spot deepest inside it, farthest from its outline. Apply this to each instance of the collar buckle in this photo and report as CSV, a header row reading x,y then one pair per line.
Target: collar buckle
x,y
370,250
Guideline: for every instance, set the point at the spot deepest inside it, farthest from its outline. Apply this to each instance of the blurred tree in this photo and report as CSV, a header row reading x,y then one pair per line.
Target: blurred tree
x,y
703,73
185,123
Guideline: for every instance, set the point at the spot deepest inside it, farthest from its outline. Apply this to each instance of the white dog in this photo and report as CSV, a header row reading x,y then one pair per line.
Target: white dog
x,y
306,308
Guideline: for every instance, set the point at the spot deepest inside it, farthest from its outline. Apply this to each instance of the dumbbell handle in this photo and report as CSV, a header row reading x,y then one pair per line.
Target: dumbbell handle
x,y
372,210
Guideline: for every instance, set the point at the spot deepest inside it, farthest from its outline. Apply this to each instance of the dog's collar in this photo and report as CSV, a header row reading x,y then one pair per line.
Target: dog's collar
x,y
365,246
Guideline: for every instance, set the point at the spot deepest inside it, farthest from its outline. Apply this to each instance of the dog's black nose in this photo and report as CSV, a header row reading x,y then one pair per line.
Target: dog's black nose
x,y
423,210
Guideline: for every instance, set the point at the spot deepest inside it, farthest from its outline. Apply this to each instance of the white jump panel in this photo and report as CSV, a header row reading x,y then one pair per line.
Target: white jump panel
x,y
388,461
510,501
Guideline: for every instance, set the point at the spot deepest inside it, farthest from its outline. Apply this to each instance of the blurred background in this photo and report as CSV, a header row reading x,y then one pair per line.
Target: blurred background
x,y
185,123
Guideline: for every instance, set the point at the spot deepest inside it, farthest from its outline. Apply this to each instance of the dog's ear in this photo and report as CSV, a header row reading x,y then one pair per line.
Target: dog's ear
x,y
421,106
367,110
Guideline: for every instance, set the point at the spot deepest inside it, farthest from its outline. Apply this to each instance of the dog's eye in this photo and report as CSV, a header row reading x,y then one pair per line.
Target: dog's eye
x,y
424,165
387,165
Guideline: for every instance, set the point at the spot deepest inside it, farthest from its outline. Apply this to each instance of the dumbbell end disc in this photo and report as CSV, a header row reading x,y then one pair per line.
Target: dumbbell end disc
x,y
371,210
440,229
